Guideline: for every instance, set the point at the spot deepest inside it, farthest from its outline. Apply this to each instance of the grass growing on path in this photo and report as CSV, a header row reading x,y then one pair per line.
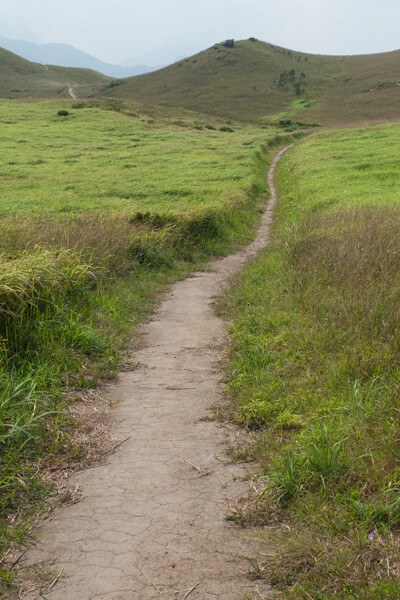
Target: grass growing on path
x,y
314,368
101,209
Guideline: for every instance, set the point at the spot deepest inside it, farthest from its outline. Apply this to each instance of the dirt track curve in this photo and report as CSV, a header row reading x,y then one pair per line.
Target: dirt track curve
x,y
149,525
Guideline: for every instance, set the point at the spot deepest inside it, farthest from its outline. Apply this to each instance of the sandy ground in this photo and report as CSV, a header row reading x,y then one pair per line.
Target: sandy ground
x,y
151,522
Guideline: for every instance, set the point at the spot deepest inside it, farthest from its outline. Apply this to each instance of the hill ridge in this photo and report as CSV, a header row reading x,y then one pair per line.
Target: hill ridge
x,y
251,80
65,55
20,78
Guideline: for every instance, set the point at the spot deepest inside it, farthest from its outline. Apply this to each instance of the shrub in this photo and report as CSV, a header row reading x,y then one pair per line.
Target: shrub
x,y
297,89
62,113
114,83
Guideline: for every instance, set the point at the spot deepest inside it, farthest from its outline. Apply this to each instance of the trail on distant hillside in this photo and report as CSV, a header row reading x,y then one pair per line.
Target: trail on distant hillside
x,y
71,91
151,521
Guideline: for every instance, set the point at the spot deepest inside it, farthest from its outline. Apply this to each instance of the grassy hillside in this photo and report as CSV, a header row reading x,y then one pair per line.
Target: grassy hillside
x,y
314,370
253,79
20,78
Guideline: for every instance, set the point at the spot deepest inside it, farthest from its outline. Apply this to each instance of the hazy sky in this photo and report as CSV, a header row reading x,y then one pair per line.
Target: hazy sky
x,y
116,29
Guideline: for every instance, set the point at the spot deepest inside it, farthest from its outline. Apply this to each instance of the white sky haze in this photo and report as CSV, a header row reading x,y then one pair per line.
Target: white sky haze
x,y
118,29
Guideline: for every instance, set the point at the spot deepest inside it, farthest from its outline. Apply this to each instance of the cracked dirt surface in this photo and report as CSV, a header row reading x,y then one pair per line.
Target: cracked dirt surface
x,y
150,525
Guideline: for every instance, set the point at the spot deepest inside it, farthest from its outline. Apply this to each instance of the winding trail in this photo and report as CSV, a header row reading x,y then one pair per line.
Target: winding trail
x,y
151,522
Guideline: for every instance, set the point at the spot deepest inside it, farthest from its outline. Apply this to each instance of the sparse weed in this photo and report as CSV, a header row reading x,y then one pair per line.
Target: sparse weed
x,y
285,479
324,452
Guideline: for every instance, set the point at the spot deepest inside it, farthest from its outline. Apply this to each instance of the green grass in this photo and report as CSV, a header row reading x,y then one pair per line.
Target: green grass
x,y
314,368
254,80
101,209
43,157
357,167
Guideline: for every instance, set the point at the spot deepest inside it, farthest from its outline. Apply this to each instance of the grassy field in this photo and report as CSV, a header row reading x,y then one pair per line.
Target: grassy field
x,y
358,168
101,208
253,80
43,157
314,370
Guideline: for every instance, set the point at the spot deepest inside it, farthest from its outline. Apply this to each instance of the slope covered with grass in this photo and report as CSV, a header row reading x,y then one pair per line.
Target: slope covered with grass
x,y
314,369
254,79
20,78
249,81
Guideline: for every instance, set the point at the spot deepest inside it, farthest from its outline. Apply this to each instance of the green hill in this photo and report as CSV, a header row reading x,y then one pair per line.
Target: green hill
x,y
20,78
254,79
249,81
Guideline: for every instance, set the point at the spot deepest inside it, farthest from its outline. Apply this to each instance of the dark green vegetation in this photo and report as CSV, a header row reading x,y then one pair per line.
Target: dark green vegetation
x,y
314,369
20,78
101,207
253,79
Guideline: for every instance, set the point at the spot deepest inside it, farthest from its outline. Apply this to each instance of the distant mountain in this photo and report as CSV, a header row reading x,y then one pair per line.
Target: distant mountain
x,y
163,56
17,31
67,56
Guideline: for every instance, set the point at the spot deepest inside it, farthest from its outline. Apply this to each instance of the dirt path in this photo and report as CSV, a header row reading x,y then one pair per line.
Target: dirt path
x,y
151,524
71,91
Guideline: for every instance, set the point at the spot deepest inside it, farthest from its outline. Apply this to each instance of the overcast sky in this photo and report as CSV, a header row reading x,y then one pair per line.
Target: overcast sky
x,y
113,30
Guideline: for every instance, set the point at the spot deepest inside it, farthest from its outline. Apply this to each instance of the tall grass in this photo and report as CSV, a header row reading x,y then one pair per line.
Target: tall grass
x,y
51,294
314,371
